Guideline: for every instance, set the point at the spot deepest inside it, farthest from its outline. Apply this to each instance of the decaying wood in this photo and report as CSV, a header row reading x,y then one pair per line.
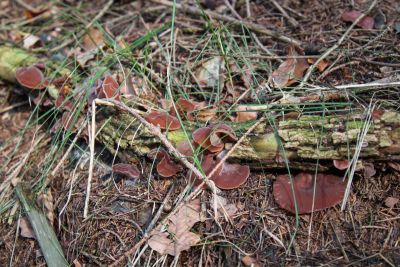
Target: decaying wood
x,y
304,138
308,137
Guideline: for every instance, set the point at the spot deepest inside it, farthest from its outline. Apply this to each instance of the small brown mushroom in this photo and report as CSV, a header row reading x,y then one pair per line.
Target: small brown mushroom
x,y
188,106
163,120
211,137
126,169
329,191
185,148
228,176
166,167
31,77
341,164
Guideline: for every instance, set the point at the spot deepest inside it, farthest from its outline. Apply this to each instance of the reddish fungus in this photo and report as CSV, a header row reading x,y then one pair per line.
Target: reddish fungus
x,y
31,77
166,167
187,107
211,137
163,120
228,176
341,164
329,191
126,169
185,148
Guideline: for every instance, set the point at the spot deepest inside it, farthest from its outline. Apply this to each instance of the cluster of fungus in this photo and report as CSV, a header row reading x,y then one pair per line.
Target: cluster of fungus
x,y
211,138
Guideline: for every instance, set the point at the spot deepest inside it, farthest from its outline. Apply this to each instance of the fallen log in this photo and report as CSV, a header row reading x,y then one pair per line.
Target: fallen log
x,y
300,139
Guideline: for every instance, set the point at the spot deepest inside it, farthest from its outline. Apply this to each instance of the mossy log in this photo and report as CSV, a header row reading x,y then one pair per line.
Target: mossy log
x,y
302,139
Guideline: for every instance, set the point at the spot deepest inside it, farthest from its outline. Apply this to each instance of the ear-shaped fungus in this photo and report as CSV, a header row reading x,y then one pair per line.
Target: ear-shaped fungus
x,y
188,106
228,176
166,167
185,149
329,191
163,120
31,77
126,169
341,164
211,137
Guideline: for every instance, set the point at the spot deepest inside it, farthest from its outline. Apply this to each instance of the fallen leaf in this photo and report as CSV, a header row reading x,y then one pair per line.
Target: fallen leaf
x,y
31,41
85,57
242,114
395,166
367,23
225,208
390,202
369,169
291,70
321,65
177,236
77,263
206,114
92,39
26,229
210,73
46,202
250,261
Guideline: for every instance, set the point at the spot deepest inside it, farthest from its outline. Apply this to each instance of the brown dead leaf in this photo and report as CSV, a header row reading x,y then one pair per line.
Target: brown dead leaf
x,y
395,166
77,263
45,201
367,23
250,261
390,202
26,229
206,114
225,208
291,70
178,237
31,41
321,65
211,72
244,115
92,39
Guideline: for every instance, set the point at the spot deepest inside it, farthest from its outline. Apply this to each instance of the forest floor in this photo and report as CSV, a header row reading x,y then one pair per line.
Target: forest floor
x,y
254,38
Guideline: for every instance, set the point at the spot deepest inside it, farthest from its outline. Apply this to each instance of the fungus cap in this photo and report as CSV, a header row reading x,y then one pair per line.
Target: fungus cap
x,y
329,191
31,77
126,169
163,120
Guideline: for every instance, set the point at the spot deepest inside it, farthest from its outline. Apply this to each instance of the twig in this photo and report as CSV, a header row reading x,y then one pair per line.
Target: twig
x,y
16,105
90,24
214,15
92,137
160,209
291,20
335,46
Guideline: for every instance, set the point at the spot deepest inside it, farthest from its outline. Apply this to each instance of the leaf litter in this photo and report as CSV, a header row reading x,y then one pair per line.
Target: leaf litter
x,y
176,235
